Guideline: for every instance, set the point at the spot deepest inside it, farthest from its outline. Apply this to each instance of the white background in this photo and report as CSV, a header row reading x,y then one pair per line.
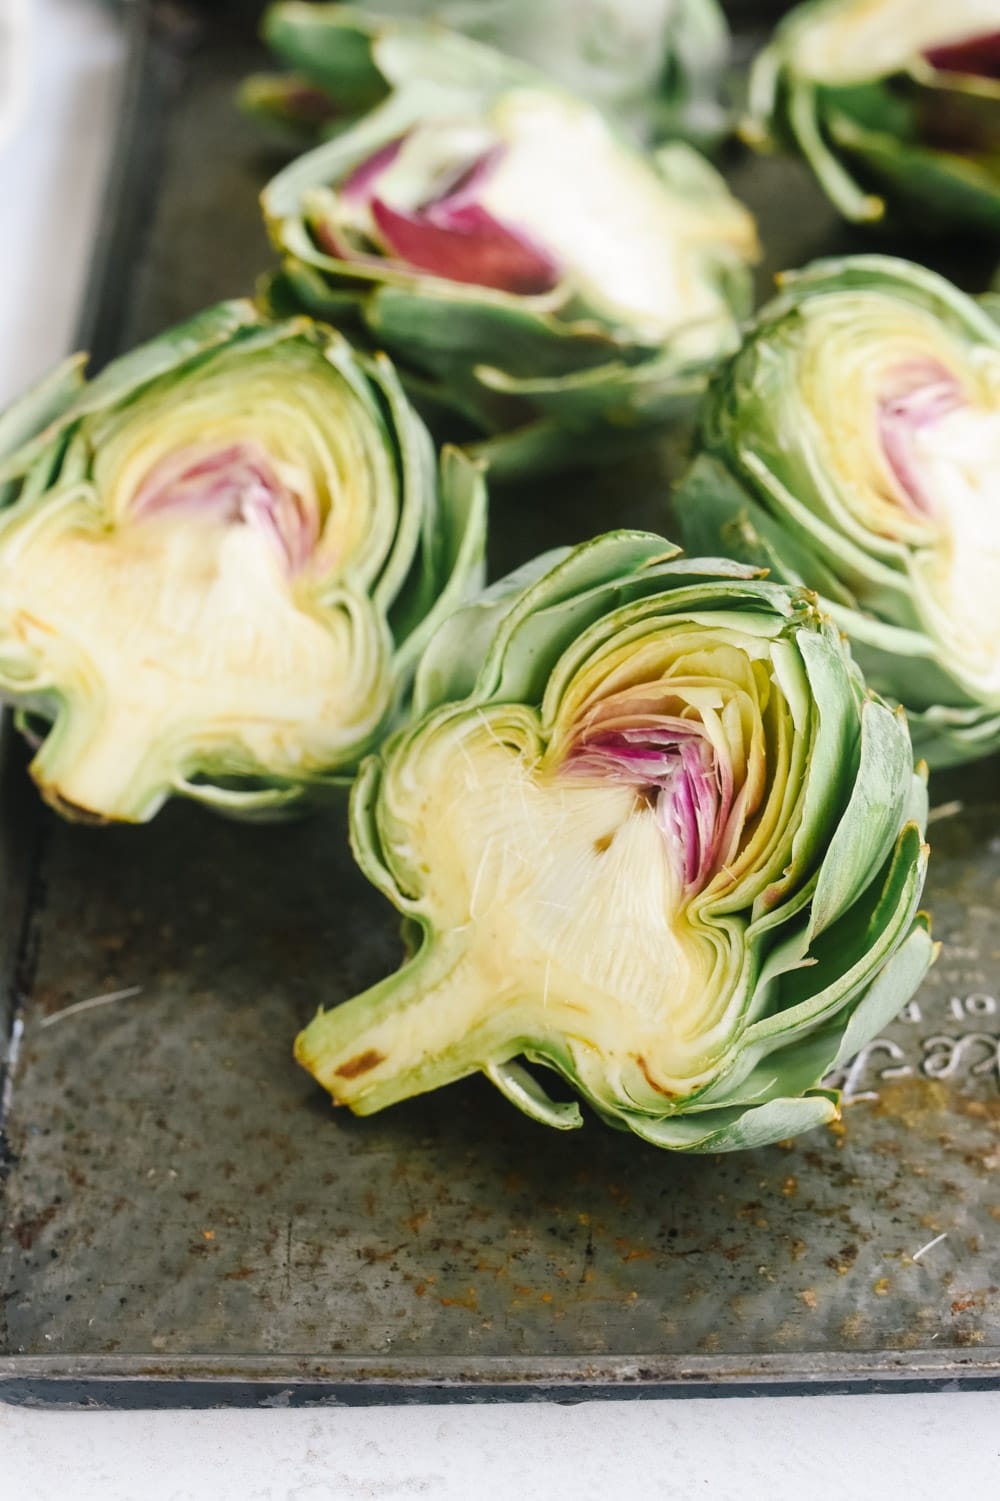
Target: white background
x,y
909,1447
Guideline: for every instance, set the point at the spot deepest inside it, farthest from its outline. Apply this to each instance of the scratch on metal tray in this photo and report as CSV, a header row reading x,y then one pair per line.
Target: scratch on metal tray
x,y
930,1246
90,1002
13,1052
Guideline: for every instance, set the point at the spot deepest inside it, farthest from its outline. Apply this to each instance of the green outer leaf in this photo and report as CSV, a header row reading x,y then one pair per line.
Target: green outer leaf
x,y
329,44
524,1091
738,1130
436,327
952,190
949,737
188,341
454,656
844,192
458,549
41,406
867,830
512,641
35,411
894,985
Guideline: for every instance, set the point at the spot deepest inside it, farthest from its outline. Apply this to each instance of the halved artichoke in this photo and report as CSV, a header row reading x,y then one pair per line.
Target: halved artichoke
x,y
895,104
649,831
532,273
219,562
853,445
655,64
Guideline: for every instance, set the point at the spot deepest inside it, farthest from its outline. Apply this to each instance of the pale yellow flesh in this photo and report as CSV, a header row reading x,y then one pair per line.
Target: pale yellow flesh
x,y
956,550
185,643
562,896
961,458
851,41
563,903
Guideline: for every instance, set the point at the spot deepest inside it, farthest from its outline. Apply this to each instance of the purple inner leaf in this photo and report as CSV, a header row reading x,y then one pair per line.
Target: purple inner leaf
x,y
673,765
236,486
977,56
470,247
922,393
451,234
358,187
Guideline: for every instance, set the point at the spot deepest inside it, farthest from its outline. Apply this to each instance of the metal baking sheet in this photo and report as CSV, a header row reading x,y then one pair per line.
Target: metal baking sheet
x,y
185,1219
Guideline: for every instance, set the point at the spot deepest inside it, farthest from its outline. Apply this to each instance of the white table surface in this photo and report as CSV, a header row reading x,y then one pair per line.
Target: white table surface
x,y
911,1447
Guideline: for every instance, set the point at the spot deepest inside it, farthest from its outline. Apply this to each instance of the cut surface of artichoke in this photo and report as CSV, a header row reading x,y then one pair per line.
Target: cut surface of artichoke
x,y
178,630
550,291
568,878
616,237
905,417
862,39
659,839
853,446
200,569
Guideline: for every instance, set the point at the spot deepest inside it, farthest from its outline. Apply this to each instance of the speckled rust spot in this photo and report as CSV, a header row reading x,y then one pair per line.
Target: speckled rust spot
x,y
26,1230
983,1110
359,1065
669,1094
914,1102
470,1301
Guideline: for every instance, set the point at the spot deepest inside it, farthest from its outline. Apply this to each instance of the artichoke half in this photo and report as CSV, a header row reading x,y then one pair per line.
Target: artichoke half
x,y
655,64
219,562
649,831
895,104
532,274
853,445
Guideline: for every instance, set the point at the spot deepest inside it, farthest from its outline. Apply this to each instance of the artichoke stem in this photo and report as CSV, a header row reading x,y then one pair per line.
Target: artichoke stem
x,y
102,768
417,1030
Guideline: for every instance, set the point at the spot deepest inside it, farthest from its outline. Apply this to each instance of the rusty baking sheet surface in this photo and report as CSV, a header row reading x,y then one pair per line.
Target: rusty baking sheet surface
x,y
186,1220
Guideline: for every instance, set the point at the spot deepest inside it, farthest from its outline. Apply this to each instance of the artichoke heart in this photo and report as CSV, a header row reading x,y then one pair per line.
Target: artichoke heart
x,y
201,557
657,837
549,291
853,445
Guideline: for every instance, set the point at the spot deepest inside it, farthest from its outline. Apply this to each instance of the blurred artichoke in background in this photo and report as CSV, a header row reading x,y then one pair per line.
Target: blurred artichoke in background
x,y
655,64
650,831
894,103
219,561
533,275
853,445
